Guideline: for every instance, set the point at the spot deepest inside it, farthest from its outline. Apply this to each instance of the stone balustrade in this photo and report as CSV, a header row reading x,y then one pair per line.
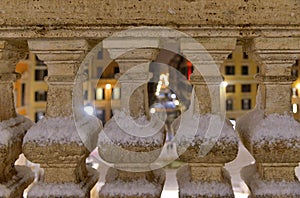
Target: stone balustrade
x,y
60,34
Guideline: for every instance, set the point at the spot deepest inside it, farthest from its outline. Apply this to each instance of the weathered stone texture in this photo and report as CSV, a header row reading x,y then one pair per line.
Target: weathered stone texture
x,y
152,12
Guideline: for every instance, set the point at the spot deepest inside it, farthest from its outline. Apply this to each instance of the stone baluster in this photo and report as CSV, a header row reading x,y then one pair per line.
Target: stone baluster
x,y
206,140
60,141
13,179
131,155
269,132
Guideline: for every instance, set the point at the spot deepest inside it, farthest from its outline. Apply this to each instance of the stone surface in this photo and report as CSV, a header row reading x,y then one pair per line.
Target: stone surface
x,y
14,188
133,184
62,156
169,12
66,189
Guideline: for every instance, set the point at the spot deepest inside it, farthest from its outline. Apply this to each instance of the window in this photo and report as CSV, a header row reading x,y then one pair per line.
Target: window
x,y
116,70
245,55
245,70
229,70
85,95
100,113
246,88
100,55
230,56
100,94
229,104
295,73
246,104
40,74
40,96
86,72
99,71
39,115
116,93
294,92
257,69
230,89
23,92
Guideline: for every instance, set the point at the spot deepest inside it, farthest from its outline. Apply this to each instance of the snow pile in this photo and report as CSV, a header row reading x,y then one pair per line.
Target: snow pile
x,y
271,128
56,190
60,130
141,187
195,189
260,187
123,129
13,129
196,128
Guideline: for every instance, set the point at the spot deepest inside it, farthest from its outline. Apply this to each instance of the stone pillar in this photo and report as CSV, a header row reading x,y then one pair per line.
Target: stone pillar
x,y
60,141
134,72
123,142
13,179
269,132
206,140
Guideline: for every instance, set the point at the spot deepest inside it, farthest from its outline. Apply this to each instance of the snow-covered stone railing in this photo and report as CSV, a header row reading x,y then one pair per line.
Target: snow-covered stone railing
x,y
207,138
58,142
269,132
120,142
13,179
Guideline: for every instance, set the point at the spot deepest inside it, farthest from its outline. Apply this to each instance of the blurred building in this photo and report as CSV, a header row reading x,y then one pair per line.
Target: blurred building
x,y
31,89
101,90
239,70
296,91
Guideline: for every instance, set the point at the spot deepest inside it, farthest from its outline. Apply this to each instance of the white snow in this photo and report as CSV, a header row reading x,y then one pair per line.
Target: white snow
x,y
271,128
141,187
135,188
54,130
123,129
194,189
13,128
198,128
260,187
57,190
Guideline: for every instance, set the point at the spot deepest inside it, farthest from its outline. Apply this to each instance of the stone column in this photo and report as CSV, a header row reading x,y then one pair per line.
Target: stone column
x,y
61,141
269,132
206,140
122,142
13,179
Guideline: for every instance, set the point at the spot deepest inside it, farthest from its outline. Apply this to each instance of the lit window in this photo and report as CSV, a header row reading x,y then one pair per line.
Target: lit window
x,y
116,93
245,70
229,70
100,94
246,104
229,104
230,89
295,108
246,88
